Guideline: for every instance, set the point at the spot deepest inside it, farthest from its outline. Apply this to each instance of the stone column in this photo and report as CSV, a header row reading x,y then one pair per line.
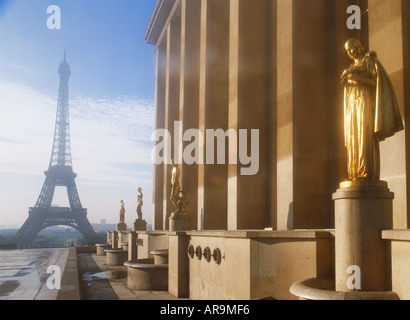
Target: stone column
x,y
337,34
213,111
158,175
249,106
361,213
302,115
406,93
189,90
388,36
285,175
171,107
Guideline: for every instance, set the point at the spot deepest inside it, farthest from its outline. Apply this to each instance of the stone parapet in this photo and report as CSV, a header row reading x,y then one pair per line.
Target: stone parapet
x,y
399,241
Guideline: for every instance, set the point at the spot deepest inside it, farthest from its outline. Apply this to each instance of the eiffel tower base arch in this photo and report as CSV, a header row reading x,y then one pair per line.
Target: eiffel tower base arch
x,y
40,219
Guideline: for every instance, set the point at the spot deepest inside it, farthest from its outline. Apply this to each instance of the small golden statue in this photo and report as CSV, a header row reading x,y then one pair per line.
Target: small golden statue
x,y
139,203
175,186
122,212
371,111
177,197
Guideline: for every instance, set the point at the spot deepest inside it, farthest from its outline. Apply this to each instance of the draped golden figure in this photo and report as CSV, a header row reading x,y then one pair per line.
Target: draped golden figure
x,y
175,186
122,212
371,111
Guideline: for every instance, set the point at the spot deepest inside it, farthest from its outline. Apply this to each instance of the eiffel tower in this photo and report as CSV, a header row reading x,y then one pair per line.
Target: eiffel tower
x,y
60,173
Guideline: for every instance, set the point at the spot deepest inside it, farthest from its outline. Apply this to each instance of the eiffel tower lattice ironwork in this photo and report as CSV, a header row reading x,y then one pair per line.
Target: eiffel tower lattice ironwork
x,y
60,173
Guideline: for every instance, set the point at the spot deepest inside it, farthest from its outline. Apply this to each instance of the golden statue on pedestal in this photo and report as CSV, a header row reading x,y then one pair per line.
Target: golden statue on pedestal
x,y
139,203
122,212
371,112
175,186
177,197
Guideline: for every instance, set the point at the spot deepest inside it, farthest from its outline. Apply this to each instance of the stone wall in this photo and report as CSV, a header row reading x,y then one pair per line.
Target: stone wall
x,y
400,257
258,264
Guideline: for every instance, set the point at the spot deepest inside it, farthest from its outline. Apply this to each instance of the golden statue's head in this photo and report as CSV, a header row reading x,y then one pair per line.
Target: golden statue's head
x,y
139,189
354,48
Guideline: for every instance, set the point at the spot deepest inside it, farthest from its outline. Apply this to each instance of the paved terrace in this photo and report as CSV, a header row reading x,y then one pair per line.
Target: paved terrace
x,y
85,276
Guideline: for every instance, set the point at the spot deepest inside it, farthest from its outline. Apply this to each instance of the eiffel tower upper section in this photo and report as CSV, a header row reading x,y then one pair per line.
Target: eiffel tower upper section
x,y
60,171
61,153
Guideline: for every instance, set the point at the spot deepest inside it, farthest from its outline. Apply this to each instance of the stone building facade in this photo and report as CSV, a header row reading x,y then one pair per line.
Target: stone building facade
x,y
274,66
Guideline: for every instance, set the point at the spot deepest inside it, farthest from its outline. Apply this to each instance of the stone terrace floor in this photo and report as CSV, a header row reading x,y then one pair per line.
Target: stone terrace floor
x,y
101,282
23,273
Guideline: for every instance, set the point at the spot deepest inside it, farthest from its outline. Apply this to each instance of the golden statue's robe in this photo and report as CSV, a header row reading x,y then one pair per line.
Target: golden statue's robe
x,y
371,115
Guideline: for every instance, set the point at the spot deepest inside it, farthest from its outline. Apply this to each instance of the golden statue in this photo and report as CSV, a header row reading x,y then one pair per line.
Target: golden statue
x,y
178,197
371,112
122,212
175,186
139,203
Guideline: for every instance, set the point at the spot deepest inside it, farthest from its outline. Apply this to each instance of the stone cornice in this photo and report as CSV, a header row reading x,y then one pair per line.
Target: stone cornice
x,y
159,19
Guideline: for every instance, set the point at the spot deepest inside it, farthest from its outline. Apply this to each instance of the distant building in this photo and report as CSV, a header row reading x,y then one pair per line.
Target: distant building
x,y
103,227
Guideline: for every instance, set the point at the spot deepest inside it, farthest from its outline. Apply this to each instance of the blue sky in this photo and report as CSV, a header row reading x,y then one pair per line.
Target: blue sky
x,y
111,103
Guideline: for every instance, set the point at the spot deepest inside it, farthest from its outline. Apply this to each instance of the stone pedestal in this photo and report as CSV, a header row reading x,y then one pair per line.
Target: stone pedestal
x,y
121,226
114,239
109,237
139,225
179,267
160,256
149,241
116,257
101,248
180,223
132,245
323,289
362,211
144,275
122,238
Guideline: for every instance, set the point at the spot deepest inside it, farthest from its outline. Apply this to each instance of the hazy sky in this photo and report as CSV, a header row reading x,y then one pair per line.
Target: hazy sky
x,y
111,104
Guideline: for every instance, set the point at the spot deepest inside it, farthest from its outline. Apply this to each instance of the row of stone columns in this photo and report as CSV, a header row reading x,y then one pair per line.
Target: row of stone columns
x,y
270,65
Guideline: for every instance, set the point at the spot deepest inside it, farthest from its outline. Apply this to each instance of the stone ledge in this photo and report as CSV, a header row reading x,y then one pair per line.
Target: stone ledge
x,y
362,193
144,264
160,252
119,250
70,283
398,235
280,234
162,233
